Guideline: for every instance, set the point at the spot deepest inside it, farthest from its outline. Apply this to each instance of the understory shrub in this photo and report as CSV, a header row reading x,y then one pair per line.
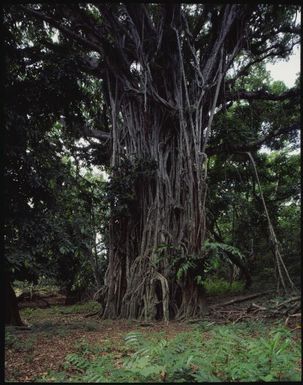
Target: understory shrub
x,y
19,344
80,308
217,286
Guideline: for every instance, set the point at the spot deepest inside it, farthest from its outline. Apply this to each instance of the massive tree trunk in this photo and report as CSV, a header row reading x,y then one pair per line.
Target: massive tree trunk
x,y
160,131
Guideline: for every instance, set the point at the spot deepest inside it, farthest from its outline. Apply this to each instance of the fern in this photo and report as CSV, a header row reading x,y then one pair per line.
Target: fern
x,y
217,247
134,339
184,268
78,361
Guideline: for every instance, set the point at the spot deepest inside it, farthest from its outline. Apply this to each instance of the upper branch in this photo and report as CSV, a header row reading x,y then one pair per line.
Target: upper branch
x,y
67,31
251,146
261,95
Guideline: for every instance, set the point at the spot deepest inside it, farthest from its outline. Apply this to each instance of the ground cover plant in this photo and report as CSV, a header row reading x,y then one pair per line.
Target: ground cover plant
x,y
226,353
217,286
68,346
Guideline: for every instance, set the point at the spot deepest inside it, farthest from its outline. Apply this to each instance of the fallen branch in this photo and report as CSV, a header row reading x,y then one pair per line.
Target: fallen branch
x,y
292,315
92,314
241,299
243,315
289,300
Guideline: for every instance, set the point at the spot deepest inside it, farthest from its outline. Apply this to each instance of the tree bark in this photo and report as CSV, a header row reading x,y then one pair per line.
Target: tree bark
x,y
12,315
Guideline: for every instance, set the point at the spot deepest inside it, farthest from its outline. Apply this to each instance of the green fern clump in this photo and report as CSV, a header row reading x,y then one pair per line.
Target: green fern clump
x,y
235,355
18,344
165,360
231,354
10,339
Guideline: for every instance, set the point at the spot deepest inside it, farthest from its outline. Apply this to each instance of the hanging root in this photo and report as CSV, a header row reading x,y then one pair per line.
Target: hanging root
x,y
165,295
160,117
278,257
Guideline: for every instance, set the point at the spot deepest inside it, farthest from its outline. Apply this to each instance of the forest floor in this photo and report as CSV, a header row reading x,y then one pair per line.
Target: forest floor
x,y
62,343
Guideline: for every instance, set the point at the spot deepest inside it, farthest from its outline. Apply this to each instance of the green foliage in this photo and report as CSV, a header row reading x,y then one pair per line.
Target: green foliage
x,y
51,328
86,307
45,286
217,286
215,248
19,344
214,255
182,264
230,354
164,359
241,352
236,208
217,252
184,268
51,204
81,308
10,339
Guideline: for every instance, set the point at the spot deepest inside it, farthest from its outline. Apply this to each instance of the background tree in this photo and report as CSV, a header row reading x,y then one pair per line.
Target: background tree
x,y
50,208
236,214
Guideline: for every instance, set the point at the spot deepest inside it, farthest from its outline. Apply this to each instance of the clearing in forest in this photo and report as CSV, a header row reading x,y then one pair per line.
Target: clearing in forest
x,y
234,343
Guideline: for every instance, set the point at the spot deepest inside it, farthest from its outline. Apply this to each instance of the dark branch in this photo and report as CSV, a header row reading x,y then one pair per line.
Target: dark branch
x,y
275,50
230,149
80,39
261,95
35,54
91,132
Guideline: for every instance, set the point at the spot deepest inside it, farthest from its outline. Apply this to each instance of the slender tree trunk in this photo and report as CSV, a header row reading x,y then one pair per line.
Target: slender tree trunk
x,y
12,315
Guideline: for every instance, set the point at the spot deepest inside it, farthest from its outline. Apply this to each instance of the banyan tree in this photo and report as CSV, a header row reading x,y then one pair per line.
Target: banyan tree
x,y
165,71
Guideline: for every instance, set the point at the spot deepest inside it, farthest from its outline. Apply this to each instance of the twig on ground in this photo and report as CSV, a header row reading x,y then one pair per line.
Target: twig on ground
x,y
92,314
143,323
25,328
196,320
292,315
253,307
226,311
243,315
